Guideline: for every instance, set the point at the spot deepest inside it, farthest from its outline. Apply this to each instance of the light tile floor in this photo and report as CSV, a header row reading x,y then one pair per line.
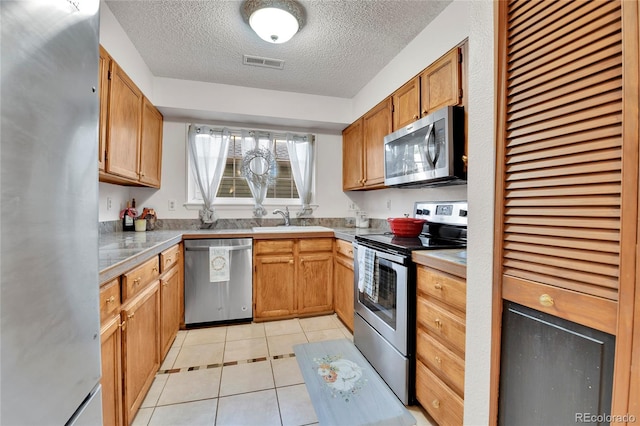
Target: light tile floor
x,y
239,375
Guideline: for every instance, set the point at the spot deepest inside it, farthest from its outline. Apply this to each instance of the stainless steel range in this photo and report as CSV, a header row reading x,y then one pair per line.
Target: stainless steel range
x,y
385,291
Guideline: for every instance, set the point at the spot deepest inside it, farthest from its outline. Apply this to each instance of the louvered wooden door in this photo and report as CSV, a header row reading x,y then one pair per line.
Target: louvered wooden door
x,y
567,165
562,155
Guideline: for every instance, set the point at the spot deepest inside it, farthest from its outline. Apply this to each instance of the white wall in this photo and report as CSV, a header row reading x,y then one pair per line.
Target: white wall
x,y
481,177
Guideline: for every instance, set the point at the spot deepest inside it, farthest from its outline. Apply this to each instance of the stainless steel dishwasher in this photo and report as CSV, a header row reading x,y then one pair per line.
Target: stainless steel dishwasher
x,y
210,300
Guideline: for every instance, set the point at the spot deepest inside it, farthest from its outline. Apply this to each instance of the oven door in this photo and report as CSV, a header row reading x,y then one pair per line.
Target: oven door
x,y
386,313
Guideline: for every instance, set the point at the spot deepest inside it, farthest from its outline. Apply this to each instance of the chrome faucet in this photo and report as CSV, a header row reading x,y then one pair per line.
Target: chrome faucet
x,y
285,215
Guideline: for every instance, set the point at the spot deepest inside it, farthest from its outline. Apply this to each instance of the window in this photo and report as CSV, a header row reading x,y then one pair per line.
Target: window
x,y
233,186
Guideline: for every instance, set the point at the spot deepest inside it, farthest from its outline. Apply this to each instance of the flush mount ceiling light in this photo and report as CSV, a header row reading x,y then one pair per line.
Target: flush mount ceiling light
x,y
275,21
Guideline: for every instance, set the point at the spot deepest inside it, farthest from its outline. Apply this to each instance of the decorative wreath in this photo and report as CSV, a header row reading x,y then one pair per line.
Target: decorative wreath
x,y
268,177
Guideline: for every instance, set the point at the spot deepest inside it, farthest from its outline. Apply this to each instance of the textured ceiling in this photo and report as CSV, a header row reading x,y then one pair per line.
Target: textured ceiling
x,y
342,46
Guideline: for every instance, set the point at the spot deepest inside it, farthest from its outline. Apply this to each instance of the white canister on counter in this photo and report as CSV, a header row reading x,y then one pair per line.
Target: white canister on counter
x,y
141,225
362,220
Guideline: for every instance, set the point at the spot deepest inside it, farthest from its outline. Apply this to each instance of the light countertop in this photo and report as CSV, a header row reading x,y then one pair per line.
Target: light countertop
x,y
453,261
121,251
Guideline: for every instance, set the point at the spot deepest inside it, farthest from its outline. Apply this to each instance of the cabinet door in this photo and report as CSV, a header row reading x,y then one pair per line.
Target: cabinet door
x,y
111,380
440,83
125,114
315,282
103,92
444,405
377,124
352,156
343,294
150,145
169,308
274,286
141,347
406,104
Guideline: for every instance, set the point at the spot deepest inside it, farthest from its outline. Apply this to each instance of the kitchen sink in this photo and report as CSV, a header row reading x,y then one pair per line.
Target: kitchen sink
x,y
291,229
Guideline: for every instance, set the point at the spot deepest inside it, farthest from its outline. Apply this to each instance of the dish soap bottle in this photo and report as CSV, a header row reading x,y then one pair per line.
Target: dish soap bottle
x,y
127,216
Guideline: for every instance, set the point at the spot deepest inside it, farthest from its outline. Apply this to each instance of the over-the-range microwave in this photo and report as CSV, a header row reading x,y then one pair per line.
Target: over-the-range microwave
x,y
428,152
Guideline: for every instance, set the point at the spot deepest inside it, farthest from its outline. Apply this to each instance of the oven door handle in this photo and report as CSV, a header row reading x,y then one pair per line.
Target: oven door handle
x,y
395,258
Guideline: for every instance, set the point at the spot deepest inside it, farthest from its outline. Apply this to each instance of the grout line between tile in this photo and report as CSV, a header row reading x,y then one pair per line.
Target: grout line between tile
x,y
223,364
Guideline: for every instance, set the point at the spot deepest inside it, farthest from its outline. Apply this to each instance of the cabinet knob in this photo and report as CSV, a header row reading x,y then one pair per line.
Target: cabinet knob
x,y
415,117
436,403
164,284
137,281
155,269
424,112
438,323
437,286
438,360
546,300
131,315
122,325
465,159
111,299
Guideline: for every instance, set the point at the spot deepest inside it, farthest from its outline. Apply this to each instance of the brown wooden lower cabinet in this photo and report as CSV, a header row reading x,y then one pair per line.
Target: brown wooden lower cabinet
x,y
170,289
274,286
141,347
443,404
137,333
292,277
315,282
440,344
343,285
111,381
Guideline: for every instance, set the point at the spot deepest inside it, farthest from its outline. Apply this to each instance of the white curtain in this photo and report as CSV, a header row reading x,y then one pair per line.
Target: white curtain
x,y
208,149
258,166
300,150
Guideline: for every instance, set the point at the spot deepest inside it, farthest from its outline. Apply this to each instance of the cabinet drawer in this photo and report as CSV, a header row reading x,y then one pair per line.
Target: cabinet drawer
x,y
437,398
136,279
444,363
446,288
585,309
272,246
344,248
315,244
109,299
448,327
170,257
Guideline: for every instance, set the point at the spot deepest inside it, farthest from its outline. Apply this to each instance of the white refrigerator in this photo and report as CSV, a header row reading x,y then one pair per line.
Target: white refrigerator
x,y
49,309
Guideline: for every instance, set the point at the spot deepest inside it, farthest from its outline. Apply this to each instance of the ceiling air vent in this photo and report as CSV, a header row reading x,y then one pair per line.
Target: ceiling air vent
x,y
263,62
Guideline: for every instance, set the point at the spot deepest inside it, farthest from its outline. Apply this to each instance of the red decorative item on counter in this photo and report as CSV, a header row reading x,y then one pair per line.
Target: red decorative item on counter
x,y
406,226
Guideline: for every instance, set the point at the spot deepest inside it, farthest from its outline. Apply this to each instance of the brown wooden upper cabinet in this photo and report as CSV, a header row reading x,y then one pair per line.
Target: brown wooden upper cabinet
x,y
352,156
363,148
439,85
130,147
103,91
406,104
150,145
